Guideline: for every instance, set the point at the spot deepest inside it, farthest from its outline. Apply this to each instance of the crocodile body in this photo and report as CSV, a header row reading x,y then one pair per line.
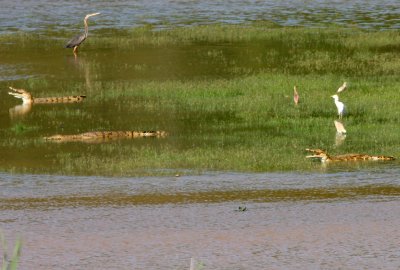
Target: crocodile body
x,y
324,157
105,135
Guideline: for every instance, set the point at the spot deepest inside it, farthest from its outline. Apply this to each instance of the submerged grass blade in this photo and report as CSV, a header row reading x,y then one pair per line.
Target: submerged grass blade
x,y
12,263
4,255
15,256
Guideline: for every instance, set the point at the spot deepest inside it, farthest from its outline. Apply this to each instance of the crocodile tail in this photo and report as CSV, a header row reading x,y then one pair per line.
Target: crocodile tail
x,y
156,133
383,158
68,99
124,134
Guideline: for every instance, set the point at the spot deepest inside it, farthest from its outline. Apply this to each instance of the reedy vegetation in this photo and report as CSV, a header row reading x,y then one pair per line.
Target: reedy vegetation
x,y
244,121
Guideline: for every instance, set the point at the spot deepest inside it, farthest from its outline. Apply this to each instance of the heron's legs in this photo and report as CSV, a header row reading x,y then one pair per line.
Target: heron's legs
x,y
75,49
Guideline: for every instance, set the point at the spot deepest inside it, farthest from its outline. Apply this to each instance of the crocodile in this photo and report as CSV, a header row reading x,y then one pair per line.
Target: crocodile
x,y
28,99
324,157
104,135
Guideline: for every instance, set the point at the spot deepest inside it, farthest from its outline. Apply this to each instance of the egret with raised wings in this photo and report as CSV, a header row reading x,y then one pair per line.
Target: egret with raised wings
x,y
342,88
76,41
296,96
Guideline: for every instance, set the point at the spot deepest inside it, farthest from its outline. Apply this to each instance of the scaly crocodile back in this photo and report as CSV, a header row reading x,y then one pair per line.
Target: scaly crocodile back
x,y
355,157
324,157
104,135
68,99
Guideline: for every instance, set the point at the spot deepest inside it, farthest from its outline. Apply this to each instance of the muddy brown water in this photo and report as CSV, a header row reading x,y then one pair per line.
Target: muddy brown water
x,y
327,220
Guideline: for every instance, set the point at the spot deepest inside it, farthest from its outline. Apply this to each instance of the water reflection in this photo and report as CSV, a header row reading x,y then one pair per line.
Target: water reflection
x,y
19,111
83,67
339,139
340,132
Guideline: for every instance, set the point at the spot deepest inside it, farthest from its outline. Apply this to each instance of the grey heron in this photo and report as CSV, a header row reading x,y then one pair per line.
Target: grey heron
x,y
76,41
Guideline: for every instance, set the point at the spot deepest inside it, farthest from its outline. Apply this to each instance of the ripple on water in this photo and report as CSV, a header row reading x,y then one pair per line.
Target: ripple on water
x,y
13,72
54,15
95,222
281,235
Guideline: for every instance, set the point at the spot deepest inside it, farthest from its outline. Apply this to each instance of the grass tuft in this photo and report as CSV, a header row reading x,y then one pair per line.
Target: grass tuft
x,y
10,263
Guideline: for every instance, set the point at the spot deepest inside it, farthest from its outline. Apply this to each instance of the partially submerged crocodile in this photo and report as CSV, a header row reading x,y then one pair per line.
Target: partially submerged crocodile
x,y
105,135
27,98
324,157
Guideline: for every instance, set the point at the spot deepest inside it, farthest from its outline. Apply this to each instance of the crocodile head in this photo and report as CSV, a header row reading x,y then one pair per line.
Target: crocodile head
x,y
22,94
318,154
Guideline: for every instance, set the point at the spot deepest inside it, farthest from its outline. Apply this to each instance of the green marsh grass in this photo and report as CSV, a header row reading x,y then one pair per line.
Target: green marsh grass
x,y
20,128
247,124
238,116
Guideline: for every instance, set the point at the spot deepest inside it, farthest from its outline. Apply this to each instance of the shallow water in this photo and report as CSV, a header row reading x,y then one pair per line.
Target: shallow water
x,y
104,75
209,185
311,220
359,234
331,217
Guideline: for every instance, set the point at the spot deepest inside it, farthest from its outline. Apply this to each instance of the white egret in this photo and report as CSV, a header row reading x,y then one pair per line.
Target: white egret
x,y
342,88
339,105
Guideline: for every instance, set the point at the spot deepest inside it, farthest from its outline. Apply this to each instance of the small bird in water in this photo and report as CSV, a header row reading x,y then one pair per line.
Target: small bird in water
x,y
76,41
339,105
241,209
295,95
342,88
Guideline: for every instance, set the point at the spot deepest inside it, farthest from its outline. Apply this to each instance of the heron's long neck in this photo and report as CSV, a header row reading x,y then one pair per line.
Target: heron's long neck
x,y
86,28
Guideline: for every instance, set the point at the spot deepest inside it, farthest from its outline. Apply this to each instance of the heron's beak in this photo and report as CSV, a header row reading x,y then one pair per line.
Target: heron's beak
x,y
93,14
